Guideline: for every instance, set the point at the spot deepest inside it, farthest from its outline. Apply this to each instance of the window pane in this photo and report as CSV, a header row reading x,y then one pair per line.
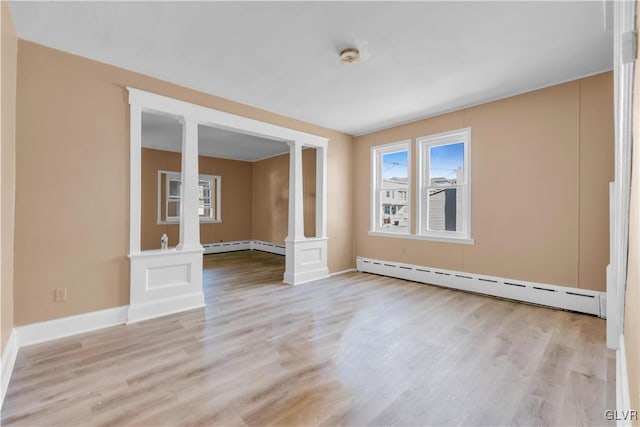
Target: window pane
x,y
445,209
173,208
446,164
204,212
174,188
394,215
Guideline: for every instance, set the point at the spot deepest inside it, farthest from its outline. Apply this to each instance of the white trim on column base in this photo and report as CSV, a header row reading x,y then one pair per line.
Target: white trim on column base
x,y
574,299
165,282
164,307
305,260
305,276
8,361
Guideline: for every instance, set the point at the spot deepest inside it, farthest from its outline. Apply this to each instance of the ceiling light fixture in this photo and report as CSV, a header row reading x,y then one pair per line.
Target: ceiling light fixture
x,y
350,56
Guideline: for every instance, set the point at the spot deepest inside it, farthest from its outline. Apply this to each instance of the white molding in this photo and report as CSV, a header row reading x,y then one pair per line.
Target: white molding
x,y
220,119
623,398
8,362
624,20
35,333
574,299
487,100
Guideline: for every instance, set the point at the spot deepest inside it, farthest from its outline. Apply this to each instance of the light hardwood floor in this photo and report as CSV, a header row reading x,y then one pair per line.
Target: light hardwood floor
x,y
356,349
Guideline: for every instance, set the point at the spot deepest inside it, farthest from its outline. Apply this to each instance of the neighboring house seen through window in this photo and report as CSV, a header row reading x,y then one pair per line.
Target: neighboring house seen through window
x,y
390,166
170,194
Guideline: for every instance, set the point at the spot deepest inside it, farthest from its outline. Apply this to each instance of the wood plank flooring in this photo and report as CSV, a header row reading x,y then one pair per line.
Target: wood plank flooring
x,y
356,349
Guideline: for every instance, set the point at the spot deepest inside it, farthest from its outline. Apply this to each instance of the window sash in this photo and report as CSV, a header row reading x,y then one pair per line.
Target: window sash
x,y
425,144
381,221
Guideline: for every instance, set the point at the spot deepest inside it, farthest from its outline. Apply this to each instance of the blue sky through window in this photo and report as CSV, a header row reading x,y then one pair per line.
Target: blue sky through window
x,y
445,160
395,165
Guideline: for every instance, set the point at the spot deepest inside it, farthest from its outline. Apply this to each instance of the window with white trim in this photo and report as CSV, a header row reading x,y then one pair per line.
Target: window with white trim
x,y
444,202
170,195
390,207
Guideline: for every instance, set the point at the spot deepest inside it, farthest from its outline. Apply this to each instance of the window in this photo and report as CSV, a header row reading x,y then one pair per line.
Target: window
x,y
170,193
390,176
444,204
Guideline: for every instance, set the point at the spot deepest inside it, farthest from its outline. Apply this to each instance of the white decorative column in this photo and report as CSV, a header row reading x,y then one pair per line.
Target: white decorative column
x,y
169,281
306,258
189,217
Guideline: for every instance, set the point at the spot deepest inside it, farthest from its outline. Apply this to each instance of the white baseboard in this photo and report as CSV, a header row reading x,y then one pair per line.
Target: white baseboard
x,y
9,355
574,299
274,248
66,326
623,398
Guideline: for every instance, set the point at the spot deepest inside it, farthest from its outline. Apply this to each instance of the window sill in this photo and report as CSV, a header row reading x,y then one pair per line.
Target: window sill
x,y
458,240
202,221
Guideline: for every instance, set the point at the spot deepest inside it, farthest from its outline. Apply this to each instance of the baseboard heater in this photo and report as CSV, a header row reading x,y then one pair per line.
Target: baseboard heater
x,y
243,245
579,300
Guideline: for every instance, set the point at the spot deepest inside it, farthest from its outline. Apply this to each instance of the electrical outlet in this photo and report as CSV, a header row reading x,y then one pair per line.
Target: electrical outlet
x,y
60,294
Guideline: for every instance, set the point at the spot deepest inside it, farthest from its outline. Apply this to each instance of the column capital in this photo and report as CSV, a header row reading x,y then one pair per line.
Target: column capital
x,y
184,120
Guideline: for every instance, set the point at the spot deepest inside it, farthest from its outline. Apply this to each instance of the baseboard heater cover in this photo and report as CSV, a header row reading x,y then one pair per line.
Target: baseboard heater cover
x,y
574,299
243,245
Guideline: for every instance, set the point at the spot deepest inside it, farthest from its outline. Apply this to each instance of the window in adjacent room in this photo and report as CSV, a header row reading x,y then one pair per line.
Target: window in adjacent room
x,y
444,204
390,210
170,194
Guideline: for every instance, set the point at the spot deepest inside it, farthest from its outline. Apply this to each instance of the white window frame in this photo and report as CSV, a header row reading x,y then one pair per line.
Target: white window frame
x,y
424,144
376,186
215,183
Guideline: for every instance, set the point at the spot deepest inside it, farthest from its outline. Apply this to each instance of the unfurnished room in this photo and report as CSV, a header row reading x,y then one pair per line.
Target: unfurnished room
x,y
420,213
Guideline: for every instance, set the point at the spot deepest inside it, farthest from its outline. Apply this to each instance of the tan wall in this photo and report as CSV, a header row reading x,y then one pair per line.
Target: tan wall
x,y
541,164
8,63
236,193
72,159
632,297
271,197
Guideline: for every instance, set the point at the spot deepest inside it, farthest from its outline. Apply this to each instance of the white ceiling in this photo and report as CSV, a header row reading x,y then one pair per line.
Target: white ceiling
x,y
165,133
419,58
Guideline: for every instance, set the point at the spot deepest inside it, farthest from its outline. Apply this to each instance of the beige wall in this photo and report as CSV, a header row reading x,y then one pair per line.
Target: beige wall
x,y
541,164
632,297
8,63
271,197
236,200
72,210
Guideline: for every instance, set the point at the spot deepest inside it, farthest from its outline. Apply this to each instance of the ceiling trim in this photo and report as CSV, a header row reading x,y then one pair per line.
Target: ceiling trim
x,y
483,101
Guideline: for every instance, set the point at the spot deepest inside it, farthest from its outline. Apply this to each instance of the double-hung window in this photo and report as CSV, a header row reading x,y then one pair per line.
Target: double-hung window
x,y
170,197
444,202
390,210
